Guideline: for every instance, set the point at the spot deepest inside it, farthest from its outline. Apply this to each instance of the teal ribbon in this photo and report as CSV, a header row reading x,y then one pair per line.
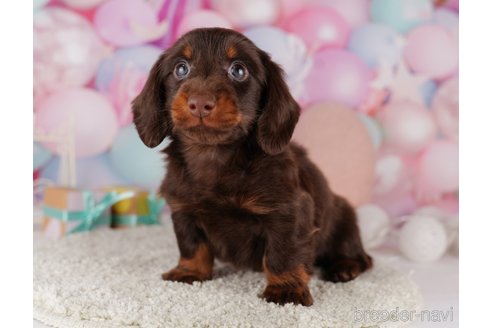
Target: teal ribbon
x,y
91,215
154,205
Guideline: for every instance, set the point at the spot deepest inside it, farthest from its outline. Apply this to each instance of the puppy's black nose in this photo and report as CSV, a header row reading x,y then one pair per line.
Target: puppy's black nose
x,y
201,106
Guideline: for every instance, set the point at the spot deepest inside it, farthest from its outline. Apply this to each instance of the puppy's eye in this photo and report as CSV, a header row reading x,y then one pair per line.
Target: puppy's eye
x,y
181,70
238,72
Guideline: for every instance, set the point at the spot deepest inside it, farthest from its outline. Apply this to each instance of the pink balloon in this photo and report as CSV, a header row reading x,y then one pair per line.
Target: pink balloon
x,y
355,12
202,18
432,50
82,4
445,106
94,120
438,168
342,149
289,7
67,51
319,27
408,127
248,13
338,76
128,22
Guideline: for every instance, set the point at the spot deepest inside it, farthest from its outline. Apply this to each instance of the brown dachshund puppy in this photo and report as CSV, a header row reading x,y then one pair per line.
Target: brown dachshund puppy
x,y
239,191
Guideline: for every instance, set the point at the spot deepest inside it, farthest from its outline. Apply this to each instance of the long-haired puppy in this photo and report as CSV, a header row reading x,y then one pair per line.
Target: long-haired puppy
x,y
239,190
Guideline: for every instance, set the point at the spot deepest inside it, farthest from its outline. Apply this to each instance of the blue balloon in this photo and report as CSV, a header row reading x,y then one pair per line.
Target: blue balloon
x,y
374,42
135,162
402,15
92,172
141,57
41,156
428,90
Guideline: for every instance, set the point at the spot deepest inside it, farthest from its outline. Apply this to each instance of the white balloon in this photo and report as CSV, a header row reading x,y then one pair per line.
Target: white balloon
x,y
423,239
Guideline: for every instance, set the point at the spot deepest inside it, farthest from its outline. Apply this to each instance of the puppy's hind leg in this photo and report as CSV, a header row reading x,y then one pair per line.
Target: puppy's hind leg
x,y
342,257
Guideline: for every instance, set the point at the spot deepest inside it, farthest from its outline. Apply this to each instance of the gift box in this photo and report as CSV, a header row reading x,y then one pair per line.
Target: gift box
x,y
143,208
70,210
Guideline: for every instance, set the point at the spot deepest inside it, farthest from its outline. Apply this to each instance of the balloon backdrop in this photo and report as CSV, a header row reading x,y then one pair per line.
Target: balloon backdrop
x,y
338,76
402,15
339,131
432,50
135,162
128,22
355,12
94,121
374,43
247,13
377,81
67,51
408,127
202,18
319,27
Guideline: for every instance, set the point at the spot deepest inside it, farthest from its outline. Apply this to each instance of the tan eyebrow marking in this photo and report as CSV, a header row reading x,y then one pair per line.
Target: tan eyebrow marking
x,y
231,52
187,51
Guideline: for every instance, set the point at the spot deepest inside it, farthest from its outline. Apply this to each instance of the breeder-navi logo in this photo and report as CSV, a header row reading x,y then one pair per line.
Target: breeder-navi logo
x,y
403,315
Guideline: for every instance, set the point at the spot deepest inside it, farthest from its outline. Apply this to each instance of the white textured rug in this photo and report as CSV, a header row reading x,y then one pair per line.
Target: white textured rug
x,y
109,278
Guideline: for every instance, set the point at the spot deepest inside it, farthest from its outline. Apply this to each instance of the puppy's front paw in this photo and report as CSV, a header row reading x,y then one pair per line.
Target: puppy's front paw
x,y
346,270
182,275
282,294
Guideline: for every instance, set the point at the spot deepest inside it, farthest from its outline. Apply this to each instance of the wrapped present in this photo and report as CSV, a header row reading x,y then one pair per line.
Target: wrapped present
x,y
142,208
69,210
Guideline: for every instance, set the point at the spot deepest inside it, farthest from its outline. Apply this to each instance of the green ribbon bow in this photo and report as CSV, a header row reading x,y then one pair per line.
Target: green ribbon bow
x,y
91,215
154,205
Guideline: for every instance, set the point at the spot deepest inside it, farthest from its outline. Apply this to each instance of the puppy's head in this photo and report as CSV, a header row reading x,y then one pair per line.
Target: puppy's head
x,y
214,86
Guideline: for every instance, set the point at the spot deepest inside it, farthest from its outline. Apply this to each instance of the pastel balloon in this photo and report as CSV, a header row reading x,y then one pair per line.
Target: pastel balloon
x,y
438,167
445,108
287,50
140,58
202,18
423,239
82,4
373,128
432,50
41,156
135,162
319,27
402,15
67,51
408,127
94,121
375,42
340,132
247,13
128,22
338,76
355,12
91,172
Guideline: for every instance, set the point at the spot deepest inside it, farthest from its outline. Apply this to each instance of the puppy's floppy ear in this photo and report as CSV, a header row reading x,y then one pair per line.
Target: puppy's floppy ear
x,y
279,111
149,113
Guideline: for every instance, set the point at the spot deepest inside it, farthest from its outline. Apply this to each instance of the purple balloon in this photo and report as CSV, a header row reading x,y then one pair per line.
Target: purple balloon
x,y
338,76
